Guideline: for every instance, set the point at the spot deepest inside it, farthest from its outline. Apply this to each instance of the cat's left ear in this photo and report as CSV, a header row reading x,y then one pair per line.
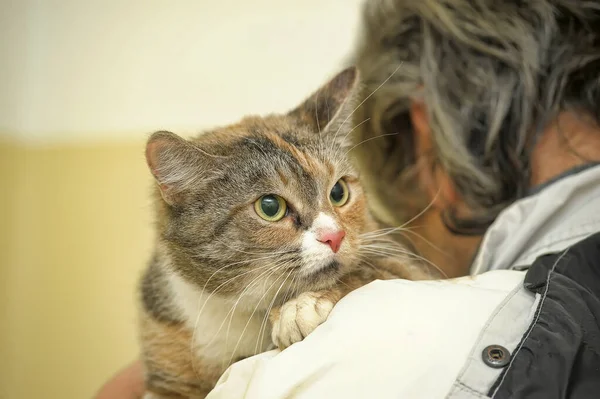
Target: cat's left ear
x,y
328,111
178,165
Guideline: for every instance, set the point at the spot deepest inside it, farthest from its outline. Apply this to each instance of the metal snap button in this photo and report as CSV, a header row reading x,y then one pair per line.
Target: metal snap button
x,y
496,356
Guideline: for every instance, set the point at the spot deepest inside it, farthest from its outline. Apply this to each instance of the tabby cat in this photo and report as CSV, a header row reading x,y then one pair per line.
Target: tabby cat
x,y
260,226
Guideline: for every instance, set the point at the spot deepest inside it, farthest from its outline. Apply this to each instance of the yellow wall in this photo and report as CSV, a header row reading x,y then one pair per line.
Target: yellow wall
x,y
76,232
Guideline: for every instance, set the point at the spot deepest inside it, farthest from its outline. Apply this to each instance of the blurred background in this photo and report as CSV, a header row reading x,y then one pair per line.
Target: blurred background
x,y
82,84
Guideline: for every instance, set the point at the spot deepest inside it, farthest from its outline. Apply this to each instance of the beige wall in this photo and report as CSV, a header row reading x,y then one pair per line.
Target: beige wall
x,y
76,231
76,70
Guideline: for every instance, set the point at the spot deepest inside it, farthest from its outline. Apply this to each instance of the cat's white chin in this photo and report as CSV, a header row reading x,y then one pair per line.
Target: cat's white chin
x,y
331,268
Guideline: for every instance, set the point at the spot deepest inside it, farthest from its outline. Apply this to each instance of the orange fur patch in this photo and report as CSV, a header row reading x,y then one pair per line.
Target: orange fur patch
x,y
172,370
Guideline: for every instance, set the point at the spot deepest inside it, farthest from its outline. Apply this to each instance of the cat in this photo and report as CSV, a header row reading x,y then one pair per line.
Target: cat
x,y
260,228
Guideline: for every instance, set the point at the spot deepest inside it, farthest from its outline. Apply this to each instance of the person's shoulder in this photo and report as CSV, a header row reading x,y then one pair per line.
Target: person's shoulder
x,y
425,303
496,280
386,329
501,333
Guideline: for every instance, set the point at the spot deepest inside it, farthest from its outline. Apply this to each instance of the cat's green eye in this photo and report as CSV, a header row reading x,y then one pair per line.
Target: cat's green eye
x,y
339,193
271,207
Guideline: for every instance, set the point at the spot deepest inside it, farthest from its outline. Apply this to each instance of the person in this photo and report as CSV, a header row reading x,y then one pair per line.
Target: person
x,y
487,114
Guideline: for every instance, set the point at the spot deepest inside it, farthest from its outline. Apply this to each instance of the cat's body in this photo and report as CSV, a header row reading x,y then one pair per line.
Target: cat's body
x,y
261,228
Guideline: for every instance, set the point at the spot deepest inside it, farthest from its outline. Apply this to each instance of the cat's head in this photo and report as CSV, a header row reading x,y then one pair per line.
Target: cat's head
x,y
266,203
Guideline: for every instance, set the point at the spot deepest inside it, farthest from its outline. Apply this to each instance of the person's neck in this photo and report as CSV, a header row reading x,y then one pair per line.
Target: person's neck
x,y
569,142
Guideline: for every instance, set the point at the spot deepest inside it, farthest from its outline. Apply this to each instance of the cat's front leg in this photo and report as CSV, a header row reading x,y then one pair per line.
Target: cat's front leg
x,y
300,316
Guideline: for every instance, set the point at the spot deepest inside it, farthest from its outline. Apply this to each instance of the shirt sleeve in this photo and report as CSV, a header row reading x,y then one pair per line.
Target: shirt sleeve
x,y
389,339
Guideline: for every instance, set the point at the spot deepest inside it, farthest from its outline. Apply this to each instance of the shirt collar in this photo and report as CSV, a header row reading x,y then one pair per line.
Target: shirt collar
x,y
553,217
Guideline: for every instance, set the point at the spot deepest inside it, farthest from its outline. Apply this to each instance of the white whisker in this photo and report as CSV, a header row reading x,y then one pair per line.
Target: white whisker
x,y
369,139
266,274
269,265
395,252
414,217
364,100
256,308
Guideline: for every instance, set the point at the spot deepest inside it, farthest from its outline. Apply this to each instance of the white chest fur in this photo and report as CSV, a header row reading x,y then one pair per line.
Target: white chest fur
x,y
223,330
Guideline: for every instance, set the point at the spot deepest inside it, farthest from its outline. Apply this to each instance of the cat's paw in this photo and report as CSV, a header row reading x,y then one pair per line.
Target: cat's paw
x,y
298,317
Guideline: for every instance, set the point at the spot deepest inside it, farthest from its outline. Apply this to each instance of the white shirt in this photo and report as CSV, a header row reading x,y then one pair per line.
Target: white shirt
x,y
405,339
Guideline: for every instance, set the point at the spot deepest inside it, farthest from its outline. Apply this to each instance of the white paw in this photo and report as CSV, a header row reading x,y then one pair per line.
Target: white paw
x,y
300,316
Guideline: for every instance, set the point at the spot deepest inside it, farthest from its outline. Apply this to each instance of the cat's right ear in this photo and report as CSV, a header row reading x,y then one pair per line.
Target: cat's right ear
x,y
329,109
176,164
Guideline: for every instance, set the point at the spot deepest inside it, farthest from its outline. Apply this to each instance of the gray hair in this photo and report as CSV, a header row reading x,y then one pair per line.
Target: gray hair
x,y
492,74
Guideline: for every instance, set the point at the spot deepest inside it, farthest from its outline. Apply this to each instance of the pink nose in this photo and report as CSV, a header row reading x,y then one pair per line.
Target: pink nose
x,y
332,238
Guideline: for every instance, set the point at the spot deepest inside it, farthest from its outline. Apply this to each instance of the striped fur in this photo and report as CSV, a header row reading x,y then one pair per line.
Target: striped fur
x,y
219,272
